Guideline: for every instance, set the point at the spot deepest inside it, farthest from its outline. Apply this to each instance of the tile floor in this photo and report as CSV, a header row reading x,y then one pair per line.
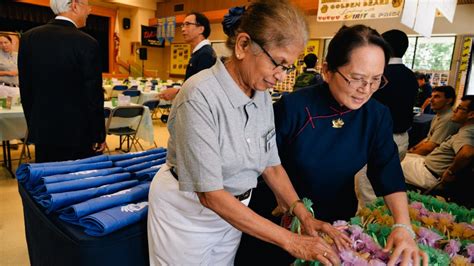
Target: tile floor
x,y
13,249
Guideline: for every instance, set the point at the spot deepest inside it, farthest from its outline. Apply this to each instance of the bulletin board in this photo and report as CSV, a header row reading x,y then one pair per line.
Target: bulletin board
x,y
179,58
287,85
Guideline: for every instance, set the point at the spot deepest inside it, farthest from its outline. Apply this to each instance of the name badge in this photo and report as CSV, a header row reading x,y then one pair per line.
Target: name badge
x,y
269,139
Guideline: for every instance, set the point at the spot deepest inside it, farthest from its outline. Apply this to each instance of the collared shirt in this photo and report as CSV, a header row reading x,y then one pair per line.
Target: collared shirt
x,y
443,156
442,126
66,18
219,137
395,61
201,44
9,62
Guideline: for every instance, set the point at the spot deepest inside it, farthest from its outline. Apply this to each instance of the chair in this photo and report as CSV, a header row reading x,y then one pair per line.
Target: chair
x,y
129,131
117,89
153,106
25,150
134,95
107,113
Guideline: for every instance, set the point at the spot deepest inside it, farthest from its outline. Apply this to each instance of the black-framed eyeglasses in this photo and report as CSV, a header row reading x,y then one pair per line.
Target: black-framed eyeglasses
x,y
187,24
459,107
281,67
361,83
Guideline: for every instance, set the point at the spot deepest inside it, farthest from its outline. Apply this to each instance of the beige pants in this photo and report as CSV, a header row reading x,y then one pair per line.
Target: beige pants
x,y
416,172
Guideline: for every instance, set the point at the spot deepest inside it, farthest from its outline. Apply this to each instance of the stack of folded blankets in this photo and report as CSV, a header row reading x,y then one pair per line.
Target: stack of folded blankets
x,y
102,193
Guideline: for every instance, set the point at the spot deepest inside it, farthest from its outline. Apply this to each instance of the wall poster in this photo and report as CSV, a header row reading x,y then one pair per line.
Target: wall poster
x,y
180,55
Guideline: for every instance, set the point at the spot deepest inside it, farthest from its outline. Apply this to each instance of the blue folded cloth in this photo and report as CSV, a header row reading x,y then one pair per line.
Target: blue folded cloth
x,y
134,194
79,184
111,220
147,174
144,165
125,156
56,201
77,175
137,160
30,173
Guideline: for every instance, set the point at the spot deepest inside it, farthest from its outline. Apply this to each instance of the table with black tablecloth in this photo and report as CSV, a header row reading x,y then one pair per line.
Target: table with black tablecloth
x,y
52,242
420,128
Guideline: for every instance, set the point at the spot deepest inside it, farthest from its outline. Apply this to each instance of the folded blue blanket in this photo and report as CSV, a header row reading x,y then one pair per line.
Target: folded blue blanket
x,y
137,160
144,165
30,173
78,175
147,174
134,194
55,201
79,184
111,220
125,156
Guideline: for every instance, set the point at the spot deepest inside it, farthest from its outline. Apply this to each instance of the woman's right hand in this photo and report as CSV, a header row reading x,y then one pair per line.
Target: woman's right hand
x,y
312,248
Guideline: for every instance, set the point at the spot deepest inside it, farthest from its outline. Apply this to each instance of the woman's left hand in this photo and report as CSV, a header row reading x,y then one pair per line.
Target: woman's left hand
x,y
404,246
314,227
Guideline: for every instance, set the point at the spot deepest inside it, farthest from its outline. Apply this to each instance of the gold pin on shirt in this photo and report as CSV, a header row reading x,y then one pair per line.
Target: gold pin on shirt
x,y
337,123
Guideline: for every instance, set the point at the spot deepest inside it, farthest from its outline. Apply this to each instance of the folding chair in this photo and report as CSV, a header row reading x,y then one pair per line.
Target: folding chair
x,y
134,95
117,89
153,106
25,150
129,131
107,113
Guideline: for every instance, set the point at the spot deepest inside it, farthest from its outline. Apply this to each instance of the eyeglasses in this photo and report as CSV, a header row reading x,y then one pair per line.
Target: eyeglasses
x,y
187,24
361,83
286,69
459,107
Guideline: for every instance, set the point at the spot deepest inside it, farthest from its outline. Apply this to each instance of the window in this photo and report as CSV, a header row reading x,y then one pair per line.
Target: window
x,y
433,53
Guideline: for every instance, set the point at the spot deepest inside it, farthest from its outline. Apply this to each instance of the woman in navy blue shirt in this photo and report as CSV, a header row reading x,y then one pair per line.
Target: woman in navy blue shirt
x,y
326,133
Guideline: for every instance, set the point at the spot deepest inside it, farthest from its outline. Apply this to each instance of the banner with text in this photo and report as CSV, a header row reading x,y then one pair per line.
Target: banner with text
x,y
341,10
149,37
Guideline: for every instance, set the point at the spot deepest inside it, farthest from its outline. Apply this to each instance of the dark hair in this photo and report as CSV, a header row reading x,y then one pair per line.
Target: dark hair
x,y
348,39
398,42
469,98
310,60
268,23
6,37
425,77
448,92
202,20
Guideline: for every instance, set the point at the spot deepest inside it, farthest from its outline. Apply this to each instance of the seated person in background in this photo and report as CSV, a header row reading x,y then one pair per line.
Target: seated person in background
x,y
309,75
442,100
451,157
424,89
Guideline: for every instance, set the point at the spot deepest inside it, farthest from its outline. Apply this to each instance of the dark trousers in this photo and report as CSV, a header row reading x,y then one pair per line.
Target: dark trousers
x,y
49,153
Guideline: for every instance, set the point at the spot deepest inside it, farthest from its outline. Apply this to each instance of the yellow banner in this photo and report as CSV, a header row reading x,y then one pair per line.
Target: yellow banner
x,y
341,10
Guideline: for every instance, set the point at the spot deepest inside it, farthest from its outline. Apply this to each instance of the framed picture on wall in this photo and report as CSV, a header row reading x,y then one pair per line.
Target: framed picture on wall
x,y
179,58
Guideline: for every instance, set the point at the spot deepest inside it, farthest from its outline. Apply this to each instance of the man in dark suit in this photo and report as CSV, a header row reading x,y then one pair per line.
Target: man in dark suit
x,y
61,86
195,30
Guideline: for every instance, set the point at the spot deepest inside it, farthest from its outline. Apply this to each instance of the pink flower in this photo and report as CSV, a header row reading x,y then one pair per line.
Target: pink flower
x,y
339,223
453,247
470,252
349,258
428,237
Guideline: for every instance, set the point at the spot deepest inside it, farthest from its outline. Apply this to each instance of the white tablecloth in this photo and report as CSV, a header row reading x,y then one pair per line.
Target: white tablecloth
x,y
145,131
146,96
12,123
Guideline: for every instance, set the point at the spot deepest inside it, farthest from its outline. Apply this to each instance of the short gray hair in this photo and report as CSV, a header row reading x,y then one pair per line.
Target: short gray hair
x,y
60,6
